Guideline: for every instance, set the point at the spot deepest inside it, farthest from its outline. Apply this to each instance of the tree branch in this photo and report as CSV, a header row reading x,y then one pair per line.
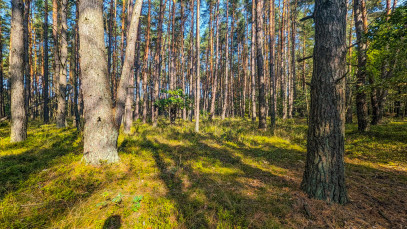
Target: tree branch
x,y
305,58
307,17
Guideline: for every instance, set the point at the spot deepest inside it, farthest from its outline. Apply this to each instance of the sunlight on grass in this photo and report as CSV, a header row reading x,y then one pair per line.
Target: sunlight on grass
x,y
228,176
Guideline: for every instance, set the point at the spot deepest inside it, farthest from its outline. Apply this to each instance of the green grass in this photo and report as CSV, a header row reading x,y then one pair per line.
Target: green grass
x,y
228,176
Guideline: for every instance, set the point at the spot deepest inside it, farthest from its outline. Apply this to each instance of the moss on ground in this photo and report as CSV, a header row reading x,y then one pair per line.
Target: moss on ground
x,y
228,176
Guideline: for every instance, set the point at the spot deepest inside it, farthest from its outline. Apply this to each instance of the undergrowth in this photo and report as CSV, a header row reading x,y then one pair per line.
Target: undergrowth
x,y
228,176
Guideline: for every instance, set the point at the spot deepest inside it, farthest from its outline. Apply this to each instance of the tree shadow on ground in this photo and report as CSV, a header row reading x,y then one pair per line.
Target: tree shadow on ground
x,y
215,186
15,169
241,195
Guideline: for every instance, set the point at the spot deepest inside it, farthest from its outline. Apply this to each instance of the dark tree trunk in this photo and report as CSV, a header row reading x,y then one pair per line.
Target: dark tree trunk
x,y
271,66
361,107
100,133
324,176
18,111
198,77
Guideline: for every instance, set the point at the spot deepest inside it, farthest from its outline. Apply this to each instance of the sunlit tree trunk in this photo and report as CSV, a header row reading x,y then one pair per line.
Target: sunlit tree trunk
x,y
272,66
158,63
45,80
100,133
63,66
253,62
324,176
226,85
260,65
126,81
18,111
198,77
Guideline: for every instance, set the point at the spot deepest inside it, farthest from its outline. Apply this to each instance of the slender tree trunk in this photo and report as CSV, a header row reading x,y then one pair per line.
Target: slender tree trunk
x,y
260,65
360,25
293,62
183,76
2,105
158,63
324,176
191,57
18,111
198,77
100,133
253,61
63,66
27,73
145,63
272,66
126,81
45,92
226,87
215,75
349,112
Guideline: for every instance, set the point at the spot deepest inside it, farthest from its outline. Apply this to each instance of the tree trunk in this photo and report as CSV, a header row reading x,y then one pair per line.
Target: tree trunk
x,y
63,66
260,65
158,63
45,80
324,176
127,76
198,77
100,133
253,61
361,107
18,111
226,87
271,71
215,74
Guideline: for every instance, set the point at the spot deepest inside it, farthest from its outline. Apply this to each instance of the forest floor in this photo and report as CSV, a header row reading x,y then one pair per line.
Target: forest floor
x,y
228,176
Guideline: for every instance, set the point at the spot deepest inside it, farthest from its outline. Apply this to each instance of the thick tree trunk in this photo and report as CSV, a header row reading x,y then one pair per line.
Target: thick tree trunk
x,y
126,81
18,111
324,176
361,107
260,65
63,66
100,133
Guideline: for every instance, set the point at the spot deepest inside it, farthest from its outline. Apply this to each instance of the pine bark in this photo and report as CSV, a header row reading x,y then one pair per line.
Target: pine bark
x,y
61,115
226,86
361,27
253,62
100,133
130,55
18,111
324,176
45,80
260,65
198,77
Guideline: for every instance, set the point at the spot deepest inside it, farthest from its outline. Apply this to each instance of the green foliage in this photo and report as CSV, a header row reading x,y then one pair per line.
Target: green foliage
x,y
174,99
387,53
